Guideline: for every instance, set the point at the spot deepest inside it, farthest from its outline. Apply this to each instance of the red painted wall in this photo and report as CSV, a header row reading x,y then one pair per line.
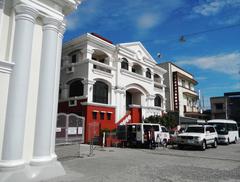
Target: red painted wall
x,y
87,112
136,115
103,123
79,109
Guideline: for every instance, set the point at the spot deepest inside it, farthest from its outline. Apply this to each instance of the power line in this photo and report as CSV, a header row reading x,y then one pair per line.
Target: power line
x,y
182,38
212,30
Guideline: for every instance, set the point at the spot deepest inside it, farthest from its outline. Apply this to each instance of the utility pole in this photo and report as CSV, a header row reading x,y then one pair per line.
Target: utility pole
x,y
226,106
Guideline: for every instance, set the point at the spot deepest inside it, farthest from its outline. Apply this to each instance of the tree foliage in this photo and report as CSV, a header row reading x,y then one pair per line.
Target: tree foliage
x,y
167,120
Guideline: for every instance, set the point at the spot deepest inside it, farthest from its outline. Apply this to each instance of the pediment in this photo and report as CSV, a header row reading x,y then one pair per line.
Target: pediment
x,y
140,51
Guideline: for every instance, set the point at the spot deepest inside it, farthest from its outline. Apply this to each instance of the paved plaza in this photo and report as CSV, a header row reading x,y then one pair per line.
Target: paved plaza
x,y
124,164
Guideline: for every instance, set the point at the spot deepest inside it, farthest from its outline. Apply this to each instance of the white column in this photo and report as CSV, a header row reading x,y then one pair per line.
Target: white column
x,y
64,94
56,89
87,53
18,87
117,110
88,89
46,96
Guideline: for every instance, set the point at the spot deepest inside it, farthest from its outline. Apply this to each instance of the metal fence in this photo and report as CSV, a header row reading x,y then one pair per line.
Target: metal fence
x,y
70,128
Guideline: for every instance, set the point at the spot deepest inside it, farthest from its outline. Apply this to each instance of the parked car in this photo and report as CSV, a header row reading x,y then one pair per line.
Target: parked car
x,y
173,137
146,134
227,130
198,136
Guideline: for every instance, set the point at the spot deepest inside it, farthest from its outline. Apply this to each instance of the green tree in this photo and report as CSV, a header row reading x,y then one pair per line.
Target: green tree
x,y
167,120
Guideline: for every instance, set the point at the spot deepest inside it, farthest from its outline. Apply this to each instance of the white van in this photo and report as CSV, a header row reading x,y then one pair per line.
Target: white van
x,y
227,130
137,133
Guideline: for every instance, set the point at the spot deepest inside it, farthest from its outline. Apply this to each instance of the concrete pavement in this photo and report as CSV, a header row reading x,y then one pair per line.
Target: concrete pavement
x,y
140,165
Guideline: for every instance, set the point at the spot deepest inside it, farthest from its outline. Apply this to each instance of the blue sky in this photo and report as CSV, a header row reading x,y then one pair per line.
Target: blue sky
x,y
212,57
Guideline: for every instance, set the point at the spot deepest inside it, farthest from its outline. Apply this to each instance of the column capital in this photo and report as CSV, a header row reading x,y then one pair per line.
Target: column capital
x,y
51,24
25,12
62,29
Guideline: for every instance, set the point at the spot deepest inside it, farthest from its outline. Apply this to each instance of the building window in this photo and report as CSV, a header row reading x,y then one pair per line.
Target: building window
x,y
157,78
184,108
148,73
100,92
137,69
72,103
124,64
109,116
76,89
219,106
158,101
94,115
101,115
183,83
74,58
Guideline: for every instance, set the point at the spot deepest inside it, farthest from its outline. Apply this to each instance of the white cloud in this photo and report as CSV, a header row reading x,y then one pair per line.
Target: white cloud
x,y
213,7
147,21
225,63
138,15
209,8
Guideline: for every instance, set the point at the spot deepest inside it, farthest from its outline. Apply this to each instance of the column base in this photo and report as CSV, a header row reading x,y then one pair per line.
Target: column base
x,y
37,161
6,165
33,173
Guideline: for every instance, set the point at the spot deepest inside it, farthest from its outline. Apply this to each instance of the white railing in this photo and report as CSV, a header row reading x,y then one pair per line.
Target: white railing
x,y
149,111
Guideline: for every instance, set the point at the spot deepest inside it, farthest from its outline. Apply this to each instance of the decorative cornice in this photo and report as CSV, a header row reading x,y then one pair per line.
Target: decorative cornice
x,y
97,104
136,76
6,67
51,24
152,107
62,29
89,82
25,12
102,73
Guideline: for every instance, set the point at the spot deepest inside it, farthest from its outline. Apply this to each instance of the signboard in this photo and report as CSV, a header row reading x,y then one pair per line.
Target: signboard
x,y
72,131
80,130
58,129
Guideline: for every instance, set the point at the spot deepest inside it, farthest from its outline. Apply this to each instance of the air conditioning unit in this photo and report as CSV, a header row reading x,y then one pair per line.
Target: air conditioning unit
x,y
72,103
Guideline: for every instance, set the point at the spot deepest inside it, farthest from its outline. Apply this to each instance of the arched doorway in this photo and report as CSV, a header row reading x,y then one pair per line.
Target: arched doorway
x,y
133,97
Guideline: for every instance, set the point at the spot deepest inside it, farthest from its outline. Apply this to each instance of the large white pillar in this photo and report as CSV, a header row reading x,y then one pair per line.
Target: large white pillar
x,y
18,87
43,129
56,88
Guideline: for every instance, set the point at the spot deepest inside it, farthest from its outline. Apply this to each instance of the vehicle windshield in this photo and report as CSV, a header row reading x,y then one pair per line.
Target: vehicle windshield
x,y
221,128
195,130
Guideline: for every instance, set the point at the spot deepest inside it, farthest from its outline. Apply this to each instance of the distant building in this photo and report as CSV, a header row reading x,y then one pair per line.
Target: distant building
x,y
110,84
181,96
218,107
226,107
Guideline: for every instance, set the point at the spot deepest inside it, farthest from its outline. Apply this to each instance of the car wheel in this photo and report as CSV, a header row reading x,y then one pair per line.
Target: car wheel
x,y
214,144
235,141
228,142
180,146
204,145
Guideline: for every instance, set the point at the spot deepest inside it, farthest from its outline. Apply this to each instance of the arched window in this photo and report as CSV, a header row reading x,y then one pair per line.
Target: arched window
x,y
158,101
100,56
137,69
124,64
76,88
100,92
148,73
157,78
